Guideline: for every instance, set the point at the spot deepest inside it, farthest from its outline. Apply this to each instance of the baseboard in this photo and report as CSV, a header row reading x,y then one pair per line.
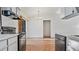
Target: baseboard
x,y
52,37
35,38
40,38
46,36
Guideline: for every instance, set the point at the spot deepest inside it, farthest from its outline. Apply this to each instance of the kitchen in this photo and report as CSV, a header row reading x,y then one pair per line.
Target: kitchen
x,y
63,26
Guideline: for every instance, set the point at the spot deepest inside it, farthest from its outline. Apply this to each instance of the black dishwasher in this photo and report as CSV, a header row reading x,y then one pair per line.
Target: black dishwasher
x,y
21,41
60,42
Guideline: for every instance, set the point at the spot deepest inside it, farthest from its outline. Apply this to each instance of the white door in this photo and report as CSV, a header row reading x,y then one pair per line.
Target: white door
x,y
46,28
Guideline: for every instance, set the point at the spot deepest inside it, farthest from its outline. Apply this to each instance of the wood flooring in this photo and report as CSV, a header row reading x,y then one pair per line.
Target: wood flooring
x,y
45,44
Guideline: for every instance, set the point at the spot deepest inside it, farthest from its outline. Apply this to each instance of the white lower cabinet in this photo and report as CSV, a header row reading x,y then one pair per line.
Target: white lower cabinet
x,y
12,40
12,44
72,43
13,47
3,45
9,44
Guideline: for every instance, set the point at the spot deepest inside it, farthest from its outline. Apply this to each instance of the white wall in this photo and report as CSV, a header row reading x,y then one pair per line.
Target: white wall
x,y
35,28
66,27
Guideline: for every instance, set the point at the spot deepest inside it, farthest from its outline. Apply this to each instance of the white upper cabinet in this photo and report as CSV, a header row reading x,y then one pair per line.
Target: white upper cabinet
x,y
69,12
14,9
6,8
18,11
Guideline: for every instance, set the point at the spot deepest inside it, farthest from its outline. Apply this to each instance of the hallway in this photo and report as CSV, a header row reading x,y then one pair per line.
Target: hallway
x,y
45,44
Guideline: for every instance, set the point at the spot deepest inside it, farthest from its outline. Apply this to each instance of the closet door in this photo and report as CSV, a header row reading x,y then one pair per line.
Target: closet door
x,y
46,28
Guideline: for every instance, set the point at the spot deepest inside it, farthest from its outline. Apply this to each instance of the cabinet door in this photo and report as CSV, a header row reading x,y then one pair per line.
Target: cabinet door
x,y
12,43
12,40
68,10
13,47
18,11
6,8
74,44
14,9
3,45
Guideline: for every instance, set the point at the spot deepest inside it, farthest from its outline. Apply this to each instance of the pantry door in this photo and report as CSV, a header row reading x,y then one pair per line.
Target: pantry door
x,y
46,28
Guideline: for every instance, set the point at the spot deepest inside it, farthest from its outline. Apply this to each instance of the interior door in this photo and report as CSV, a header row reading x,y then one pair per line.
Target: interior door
x,y
46,28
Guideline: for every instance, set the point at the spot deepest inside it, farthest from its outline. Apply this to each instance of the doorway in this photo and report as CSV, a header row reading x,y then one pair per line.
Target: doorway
x,y
46,28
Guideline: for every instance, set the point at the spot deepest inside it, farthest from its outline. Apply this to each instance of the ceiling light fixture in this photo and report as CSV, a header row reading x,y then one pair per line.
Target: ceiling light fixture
x,y
38,14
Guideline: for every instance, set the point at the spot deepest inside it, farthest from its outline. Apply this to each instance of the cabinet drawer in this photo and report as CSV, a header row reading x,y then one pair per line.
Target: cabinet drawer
x,y
3,44
13,47
12,40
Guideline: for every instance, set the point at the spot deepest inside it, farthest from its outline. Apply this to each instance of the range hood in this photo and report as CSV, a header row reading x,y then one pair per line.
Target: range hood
x,y
73,14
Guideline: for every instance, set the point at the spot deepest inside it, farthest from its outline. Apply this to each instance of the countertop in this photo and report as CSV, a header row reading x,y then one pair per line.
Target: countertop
x,y
73,37
7,36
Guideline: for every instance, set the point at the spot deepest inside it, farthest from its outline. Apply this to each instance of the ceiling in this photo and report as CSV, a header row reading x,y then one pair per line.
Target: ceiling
x,y
39,11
